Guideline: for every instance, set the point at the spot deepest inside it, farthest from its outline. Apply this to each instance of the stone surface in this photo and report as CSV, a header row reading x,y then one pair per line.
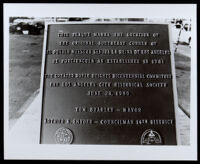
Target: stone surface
x,y
59,102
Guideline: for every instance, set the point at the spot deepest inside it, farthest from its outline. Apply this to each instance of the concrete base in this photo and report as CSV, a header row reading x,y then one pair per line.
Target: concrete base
x,y
27,129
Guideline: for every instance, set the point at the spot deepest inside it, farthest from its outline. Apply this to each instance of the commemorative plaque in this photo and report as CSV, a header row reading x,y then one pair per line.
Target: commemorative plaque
x,y
108,84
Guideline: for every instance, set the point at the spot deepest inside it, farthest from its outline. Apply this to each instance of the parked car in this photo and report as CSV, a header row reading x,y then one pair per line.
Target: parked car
x,y
33,28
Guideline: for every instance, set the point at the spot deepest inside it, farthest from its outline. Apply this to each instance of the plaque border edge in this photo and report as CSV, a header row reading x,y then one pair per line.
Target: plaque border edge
x,y
42,77
174,87
175,96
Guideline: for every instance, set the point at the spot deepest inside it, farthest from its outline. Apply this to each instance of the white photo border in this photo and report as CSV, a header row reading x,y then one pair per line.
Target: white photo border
x,y
99,152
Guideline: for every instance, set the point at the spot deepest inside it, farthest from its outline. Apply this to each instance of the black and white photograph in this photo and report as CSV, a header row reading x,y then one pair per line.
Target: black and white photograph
x,y
93,85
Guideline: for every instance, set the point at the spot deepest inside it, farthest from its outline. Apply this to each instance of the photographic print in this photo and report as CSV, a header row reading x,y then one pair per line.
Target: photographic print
x,y
79,81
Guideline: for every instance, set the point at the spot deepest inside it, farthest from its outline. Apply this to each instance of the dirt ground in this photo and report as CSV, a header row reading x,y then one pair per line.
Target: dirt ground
x,y
25,67
183,67
182,64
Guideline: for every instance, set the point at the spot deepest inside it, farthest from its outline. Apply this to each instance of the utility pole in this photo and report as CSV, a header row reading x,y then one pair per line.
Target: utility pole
x,y
179,36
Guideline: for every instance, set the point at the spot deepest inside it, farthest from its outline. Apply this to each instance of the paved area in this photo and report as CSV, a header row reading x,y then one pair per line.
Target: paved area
x,y
27,128
184,125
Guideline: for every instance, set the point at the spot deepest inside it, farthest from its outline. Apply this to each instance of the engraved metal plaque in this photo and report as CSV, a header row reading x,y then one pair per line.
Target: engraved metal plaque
x,y
108,84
